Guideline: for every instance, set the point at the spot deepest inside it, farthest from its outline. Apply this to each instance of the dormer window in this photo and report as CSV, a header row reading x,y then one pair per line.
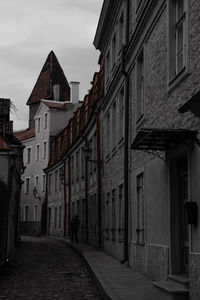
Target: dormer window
x,y
56,92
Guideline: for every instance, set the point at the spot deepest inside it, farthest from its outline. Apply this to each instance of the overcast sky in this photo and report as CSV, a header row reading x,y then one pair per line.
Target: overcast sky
x,y
29,30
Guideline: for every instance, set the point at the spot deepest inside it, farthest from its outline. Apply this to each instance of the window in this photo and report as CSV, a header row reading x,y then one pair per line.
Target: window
x,y
114,125
28,155
43,182
138,3
50,183
140,208
72,159
107,216
56,181
37,152
177,37
107,66
77,165
45,150
37,182
82,163
38,124
60,217
140,85
121,213
108,134
114,50
55,217
35,213
27,185
121,114
26,213
121,31
45,120
113,214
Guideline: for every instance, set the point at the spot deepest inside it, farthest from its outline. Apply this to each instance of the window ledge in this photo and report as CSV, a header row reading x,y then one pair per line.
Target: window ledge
x,y
140,122
114,150
140,244
107,158
121,142
178,79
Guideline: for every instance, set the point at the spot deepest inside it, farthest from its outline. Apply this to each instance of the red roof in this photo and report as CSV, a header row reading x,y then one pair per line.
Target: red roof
x,y
50,75
3,145
25,134
55,104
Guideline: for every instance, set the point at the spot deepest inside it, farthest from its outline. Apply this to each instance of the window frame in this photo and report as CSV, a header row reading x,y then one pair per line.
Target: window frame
x,y
174,75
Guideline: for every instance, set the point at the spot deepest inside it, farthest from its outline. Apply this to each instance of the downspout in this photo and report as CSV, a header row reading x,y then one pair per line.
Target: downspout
x,y
99,182
86,196
65,204
46,198
69,195
10,182
126,149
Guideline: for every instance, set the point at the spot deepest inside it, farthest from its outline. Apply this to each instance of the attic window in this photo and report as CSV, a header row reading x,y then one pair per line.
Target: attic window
x,y
56,92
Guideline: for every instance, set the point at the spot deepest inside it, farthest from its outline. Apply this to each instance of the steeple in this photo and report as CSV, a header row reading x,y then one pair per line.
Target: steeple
x,y
50,85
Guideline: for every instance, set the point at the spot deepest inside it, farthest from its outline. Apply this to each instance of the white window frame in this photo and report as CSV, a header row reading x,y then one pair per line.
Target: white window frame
x,y
174,22
26,213
28,161
140,89
38,124
37,152
35,213
140,208
43,182
44,149
27,190
37,183
45,120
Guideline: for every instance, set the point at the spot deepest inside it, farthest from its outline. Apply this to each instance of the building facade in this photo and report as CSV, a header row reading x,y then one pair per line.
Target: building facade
x,y
47,116
74,179
11,161
160,65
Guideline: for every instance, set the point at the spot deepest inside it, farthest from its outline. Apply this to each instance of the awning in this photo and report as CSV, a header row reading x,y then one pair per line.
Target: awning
x,y
162,139
192,105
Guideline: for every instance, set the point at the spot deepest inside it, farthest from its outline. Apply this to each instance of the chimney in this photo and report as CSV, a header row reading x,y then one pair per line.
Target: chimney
x,y
74,91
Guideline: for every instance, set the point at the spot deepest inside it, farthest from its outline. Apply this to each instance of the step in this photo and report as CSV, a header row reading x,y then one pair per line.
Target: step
x,y
179,279
174,291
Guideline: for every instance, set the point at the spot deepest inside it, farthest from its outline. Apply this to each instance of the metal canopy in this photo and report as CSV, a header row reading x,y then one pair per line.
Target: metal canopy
x,y
162,139
192,105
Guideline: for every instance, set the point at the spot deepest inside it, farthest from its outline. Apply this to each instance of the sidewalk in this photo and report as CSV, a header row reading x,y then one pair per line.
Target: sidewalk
x,y
116,280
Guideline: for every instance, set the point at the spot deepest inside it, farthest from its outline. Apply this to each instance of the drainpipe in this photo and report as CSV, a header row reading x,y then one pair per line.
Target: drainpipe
x,y
69,194
126,150
86,195
99,182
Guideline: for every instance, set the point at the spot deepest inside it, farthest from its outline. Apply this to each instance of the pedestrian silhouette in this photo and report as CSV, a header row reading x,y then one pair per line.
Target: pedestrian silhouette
x,y
74,229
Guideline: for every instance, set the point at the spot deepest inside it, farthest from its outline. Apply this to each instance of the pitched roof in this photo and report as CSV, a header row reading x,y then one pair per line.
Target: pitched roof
x,y
50,75
25,134
3,145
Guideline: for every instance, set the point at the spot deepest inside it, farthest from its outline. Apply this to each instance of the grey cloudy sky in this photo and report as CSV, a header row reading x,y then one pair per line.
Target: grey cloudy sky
x,y
29,30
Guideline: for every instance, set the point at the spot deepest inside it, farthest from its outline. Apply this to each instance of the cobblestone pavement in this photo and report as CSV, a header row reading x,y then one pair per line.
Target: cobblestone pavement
x,y
46,269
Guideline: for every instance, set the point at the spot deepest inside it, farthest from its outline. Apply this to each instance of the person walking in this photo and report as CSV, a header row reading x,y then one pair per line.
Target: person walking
x,y
74,229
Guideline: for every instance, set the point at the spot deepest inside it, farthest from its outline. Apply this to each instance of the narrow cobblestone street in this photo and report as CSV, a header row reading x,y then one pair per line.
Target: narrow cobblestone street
x,y
46,269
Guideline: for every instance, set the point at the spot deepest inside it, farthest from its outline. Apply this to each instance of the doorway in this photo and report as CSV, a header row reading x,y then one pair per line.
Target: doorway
x,y
179,224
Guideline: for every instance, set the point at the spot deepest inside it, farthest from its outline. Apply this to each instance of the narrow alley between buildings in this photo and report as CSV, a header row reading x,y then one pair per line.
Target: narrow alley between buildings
x,y
46,269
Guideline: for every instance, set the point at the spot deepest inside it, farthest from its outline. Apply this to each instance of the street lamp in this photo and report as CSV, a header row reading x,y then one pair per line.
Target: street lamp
x,y
35,194
88,153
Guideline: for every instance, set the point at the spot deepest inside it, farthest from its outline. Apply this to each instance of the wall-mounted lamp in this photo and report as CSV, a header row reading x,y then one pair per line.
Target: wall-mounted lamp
x,y
88,153
62,176
35,194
